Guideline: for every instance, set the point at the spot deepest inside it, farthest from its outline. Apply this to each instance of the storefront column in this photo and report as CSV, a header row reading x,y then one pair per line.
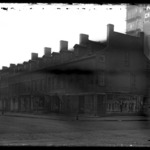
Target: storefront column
x,y
31,103
95,104
11,104
0,104
17,104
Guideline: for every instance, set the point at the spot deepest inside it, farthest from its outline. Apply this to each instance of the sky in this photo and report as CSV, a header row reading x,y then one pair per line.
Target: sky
x,y
26,28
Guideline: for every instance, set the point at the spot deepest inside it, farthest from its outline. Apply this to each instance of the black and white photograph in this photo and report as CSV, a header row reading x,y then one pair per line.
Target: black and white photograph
x,y
74,74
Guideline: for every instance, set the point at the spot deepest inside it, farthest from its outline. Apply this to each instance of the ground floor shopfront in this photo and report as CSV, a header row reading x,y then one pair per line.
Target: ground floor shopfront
x,y
98,104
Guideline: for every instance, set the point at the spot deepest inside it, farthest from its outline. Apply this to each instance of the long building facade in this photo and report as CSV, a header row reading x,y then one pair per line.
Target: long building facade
x,y
95,78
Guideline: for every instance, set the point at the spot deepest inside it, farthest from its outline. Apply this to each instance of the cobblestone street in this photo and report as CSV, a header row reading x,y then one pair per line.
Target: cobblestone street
x,y
43,131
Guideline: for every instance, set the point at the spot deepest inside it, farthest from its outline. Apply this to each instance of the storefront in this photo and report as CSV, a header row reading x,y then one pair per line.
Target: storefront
x,y
124,103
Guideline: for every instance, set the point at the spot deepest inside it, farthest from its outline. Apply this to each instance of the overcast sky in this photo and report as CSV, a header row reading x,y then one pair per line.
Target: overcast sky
x,y
28,28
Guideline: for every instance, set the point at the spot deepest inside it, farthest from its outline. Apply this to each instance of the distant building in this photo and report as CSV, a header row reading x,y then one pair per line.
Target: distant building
x,y
138,20
96,78
135,19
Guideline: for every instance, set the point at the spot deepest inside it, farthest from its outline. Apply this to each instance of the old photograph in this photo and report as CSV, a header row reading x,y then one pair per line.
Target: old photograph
x,y
75,75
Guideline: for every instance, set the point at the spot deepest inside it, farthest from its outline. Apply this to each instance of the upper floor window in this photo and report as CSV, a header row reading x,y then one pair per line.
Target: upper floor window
x,y
55,82
101,58
28,86
133,79
147,65
126,59
101,79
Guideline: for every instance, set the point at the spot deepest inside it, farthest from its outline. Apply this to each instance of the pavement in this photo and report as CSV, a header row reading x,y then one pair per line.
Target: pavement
x,y
63,117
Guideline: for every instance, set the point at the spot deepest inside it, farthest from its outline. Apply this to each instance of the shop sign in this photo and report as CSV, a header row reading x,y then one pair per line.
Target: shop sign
x,y
123,97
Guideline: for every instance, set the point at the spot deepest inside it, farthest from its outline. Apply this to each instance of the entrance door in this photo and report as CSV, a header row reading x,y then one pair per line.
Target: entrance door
x,y
101,107
81,104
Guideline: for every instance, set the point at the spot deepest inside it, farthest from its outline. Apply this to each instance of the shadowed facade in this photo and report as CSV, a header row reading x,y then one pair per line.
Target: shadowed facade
x,y
95,78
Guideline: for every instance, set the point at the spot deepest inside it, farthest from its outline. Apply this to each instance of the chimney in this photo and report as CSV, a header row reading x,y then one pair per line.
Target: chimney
x,y
4,68
83,39
63,45
19,65
12,65
47,51
25,62
34,56
110,30
55,54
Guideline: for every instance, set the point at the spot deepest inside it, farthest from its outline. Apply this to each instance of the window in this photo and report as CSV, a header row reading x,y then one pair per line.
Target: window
x,y
40,84
133,80
45,84
140,24
66,81
126,59
28,85
24,87
128,15
147,65
140,9
101,79
129,27
52,82
55,82
108,107
34,85
76,52
110,97
90,79
102,58
62,80
49,82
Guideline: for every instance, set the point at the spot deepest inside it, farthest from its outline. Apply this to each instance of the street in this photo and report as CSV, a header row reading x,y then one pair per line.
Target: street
x,y
47,132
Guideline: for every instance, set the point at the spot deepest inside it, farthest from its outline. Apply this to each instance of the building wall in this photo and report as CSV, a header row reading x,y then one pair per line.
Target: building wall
x,y
99,80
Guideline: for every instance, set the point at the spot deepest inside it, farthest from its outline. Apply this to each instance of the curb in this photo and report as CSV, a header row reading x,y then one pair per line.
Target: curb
x,y
73,118
37,117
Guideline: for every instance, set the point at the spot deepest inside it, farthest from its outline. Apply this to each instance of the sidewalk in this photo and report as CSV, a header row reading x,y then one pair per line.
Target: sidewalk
x,y
80,117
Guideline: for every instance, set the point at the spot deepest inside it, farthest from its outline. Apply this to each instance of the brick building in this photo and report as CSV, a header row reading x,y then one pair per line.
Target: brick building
x,y
96,78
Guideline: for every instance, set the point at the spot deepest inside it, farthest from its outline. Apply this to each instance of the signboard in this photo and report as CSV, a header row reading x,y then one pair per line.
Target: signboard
x,y
122,97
